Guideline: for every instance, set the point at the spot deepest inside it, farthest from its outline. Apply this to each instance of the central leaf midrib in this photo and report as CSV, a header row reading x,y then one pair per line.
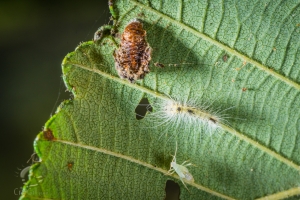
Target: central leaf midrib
x,y
133,160
242,136
223,46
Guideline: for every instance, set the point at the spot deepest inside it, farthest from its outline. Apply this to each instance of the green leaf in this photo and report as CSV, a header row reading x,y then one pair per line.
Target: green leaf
x,y
242,55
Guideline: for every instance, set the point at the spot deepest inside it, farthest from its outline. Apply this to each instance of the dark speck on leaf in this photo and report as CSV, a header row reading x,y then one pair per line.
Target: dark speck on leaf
x,y
48,135
70,165
213,120
225,58
190,111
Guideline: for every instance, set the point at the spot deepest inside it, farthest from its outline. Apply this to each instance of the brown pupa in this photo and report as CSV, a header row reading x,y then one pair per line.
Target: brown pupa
x,y
133,56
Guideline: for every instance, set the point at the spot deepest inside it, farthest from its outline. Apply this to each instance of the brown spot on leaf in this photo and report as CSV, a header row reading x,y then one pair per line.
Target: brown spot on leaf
x,y
70,165
48,134
225,58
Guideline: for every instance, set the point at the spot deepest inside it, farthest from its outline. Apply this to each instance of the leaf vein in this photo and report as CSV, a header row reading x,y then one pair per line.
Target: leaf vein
x,y
278,34
227,48
225,127
180,7
282,195
133,160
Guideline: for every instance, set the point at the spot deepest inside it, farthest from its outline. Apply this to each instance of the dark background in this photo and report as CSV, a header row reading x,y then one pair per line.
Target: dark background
x,y
34,38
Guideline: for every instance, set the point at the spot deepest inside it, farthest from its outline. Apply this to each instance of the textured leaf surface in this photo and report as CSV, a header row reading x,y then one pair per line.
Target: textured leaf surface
x,y
101,151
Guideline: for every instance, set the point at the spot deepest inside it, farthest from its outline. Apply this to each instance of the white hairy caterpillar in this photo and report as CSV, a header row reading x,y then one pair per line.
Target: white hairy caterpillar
x,y
188,116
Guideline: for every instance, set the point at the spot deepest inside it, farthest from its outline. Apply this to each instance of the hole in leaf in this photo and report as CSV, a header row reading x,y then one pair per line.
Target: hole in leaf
x,y
142,108
172,190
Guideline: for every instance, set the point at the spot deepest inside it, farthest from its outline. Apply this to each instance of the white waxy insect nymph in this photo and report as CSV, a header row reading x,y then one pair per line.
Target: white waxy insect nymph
x,y
181,170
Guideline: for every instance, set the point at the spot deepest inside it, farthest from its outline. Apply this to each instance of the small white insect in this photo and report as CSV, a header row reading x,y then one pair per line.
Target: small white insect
x,y
181,170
